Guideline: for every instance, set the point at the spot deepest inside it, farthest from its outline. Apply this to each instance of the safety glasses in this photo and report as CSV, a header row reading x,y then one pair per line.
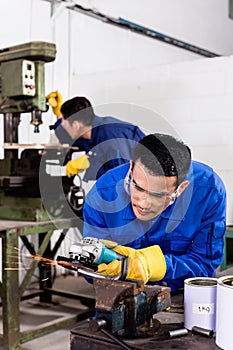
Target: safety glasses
x,y
133,189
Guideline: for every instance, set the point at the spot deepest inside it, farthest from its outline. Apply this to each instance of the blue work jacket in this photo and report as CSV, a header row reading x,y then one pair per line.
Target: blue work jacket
x,y
190,231
111,144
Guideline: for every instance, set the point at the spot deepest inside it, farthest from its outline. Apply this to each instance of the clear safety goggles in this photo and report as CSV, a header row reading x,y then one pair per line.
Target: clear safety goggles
x,y
133,189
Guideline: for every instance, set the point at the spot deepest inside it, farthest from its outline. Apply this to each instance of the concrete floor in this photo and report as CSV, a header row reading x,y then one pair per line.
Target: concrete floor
x,y
55,341
33,312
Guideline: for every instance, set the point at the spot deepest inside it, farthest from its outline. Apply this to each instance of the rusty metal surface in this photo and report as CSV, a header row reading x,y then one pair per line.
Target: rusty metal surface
x,y
109,292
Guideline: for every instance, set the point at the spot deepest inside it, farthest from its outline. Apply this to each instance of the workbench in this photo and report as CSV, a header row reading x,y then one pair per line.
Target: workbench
x,y
12,292
83,338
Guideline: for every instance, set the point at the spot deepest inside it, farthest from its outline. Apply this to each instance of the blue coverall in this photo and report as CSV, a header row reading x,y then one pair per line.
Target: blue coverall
x,y
111,144
190,231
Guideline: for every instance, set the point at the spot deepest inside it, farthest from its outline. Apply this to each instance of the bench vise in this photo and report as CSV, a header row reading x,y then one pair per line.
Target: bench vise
x,y
124,307
127,307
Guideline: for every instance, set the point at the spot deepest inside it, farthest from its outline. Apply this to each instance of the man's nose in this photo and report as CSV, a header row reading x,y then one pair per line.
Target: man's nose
x,y
144,200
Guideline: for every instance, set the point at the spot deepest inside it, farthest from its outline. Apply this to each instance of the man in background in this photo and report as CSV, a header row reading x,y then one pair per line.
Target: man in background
x,y
107,141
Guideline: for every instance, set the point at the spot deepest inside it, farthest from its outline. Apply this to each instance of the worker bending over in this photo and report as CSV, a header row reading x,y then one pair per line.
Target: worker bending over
x,y
107,141
166,212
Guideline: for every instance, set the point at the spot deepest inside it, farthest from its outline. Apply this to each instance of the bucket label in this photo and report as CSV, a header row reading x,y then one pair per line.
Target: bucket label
x,y
203,309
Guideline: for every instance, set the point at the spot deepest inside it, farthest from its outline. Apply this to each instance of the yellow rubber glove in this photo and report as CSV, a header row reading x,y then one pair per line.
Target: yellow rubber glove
x,y
147,264
55,101
73,167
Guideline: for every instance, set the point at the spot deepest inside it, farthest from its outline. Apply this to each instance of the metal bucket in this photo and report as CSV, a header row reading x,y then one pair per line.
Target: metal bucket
x,y
200,302
224,312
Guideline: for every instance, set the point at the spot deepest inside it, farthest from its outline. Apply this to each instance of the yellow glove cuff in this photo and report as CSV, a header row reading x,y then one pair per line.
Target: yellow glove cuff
x,y
156,263
148,263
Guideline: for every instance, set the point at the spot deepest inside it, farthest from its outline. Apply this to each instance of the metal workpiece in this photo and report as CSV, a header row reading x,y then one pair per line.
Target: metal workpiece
x,y
177,333
91,274
202,331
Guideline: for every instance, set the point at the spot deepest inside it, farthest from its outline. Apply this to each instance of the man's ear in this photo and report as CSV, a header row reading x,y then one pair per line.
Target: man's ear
x,y
131,165
182,187
76,125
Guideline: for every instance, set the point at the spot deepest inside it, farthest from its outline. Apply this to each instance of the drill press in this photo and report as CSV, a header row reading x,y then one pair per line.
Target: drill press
x,y
24,180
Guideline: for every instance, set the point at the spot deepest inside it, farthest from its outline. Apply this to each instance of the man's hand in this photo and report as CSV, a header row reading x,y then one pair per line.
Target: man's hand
x,y
73,167
147,264
54,99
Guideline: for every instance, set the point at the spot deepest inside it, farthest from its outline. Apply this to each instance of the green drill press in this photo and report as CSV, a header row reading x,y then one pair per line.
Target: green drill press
x,y
22,86
22,90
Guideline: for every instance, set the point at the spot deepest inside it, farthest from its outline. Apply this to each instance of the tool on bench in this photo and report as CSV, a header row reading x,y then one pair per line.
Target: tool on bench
x,y
125,306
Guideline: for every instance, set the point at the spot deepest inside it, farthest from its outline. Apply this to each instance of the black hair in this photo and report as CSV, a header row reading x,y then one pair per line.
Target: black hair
x,y
163,155
78,108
